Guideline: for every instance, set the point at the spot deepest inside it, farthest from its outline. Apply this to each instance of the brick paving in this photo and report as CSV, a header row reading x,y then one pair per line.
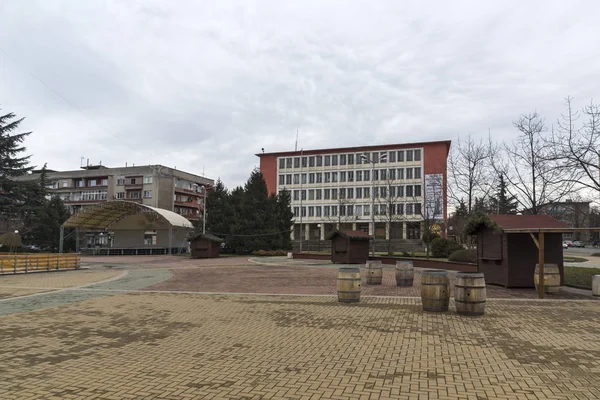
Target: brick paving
x,y
183,346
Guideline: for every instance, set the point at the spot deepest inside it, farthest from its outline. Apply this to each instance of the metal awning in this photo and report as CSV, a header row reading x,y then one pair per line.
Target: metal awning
x,y
125,215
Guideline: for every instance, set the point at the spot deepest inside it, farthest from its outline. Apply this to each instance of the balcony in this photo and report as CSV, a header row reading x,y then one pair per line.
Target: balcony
x,y
191,204
134,186
187,191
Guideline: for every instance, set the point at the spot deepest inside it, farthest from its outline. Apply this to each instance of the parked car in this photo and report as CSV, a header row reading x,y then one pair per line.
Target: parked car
x,y
578,243
565,245
568,243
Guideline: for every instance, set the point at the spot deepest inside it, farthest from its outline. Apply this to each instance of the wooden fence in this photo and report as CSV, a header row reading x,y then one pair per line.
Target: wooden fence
x,y
24,263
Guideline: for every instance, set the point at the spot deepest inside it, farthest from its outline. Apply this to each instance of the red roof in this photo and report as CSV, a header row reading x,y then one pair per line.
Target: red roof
x,y
527,221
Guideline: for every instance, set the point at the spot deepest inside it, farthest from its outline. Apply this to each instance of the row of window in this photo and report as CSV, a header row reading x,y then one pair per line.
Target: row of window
x,y
350,159
379,192
135,195
187,185
391,174
85,196
358,210
134,181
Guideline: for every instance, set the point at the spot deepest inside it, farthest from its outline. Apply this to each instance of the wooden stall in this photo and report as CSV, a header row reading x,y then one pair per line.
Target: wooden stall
x,y
349,247
205,245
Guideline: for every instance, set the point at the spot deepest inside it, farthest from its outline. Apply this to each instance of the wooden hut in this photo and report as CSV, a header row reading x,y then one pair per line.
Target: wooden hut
x,y
508,249
349,247
205,245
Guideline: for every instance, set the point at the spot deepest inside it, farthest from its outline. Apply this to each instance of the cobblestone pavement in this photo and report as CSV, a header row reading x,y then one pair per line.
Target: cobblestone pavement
x,y
183,346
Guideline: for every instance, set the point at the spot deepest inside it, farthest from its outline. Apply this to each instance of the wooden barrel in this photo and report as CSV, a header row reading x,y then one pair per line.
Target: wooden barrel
x,y
374,272
469,293
435,290
348,285
405,273
551,278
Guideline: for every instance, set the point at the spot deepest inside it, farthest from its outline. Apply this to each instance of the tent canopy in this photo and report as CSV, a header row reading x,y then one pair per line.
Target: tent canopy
x,y
126,215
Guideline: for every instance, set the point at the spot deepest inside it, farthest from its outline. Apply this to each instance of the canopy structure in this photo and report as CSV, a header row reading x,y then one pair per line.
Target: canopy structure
x,y
119,215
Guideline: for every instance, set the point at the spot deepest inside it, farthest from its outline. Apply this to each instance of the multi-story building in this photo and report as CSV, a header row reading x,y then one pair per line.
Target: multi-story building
x,y
397,185
576,214
153,185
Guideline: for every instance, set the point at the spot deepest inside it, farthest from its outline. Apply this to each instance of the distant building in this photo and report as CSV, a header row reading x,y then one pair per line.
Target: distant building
x,y
576,214
331,187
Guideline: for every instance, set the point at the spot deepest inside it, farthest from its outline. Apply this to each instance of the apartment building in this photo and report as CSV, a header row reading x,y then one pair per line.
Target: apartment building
x,y
153,185
397,185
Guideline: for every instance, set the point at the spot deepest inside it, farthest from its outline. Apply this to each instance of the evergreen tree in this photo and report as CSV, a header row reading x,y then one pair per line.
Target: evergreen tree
x,y
218,210
256,213
45,231
285,219
12,165
507,203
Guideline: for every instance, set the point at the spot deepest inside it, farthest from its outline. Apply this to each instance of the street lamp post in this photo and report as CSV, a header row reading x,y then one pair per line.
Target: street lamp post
x,y
371,160
301,155
203,210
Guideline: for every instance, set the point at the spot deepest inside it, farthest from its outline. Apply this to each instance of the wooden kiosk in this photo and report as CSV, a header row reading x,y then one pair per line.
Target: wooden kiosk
x,y
205,245
349,247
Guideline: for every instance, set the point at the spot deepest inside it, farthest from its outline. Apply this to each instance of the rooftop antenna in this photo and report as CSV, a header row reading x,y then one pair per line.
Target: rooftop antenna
x,y
296,146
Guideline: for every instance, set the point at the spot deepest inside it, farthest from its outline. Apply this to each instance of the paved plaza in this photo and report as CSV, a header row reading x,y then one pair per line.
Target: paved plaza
x,y
175,328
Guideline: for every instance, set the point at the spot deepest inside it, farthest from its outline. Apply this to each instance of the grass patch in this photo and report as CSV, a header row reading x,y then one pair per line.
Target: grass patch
x,y
574,259
580,276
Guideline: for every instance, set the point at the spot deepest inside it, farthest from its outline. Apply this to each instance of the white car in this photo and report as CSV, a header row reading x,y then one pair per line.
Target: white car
x,y
565,245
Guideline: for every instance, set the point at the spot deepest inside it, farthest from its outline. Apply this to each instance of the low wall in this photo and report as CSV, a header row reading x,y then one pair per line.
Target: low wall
x,y
24,263
417,262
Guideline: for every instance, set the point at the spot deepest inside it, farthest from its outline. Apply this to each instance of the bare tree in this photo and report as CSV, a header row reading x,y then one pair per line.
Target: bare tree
x,y
579,147
534,174
342,211
469,173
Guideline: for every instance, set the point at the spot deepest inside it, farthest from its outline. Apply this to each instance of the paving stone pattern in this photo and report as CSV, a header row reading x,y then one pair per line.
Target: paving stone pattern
x,y
182,346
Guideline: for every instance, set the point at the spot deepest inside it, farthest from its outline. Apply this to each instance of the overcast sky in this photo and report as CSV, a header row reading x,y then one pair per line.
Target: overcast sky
x,y
204,85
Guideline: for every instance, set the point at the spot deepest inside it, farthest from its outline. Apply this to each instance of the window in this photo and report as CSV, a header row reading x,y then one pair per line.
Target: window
x,y
383,192
375,157
304,162
333,211
342,159
358,176
282,179
409,191
326,211
288,163
418,173
358,193
319,161
327,177
91,183
147,179
105,182
342,192
401,174
382,209
296,162
311,194
417,208
400,155
366,193
149,237
409,209
132,181
334,176
311,211
350,193
319,177
358,210
65,184
296,179
288,179
281,163
383,174
375,209
350,159
334,194
304,179
392,174
350,176
327,161
318,211
296,195
375,174
392,191
400,191
311,178
392,156
318,194
417,190
409,156
400,209
417,156
296,211
376,192
383,157
409,173
147,194
327,194
359,158
343,176
311,161
367,175
303,194
134,195
366,210
334,159
120,195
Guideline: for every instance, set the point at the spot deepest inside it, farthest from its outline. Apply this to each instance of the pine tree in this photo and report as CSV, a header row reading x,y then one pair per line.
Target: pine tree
x,y
507,203
218,210
285,219
256,219
49,217
12,165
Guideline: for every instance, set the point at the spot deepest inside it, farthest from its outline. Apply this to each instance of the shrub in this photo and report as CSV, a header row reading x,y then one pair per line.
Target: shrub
x,y
428,237
442,248
269,253
464,255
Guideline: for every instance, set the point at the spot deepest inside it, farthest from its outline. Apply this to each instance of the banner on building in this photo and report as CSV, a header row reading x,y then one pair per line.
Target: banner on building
x,y
434,196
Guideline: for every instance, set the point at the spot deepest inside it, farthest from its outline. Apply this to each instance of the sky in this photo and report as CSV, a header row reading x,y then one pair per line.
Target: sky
x,y
204,85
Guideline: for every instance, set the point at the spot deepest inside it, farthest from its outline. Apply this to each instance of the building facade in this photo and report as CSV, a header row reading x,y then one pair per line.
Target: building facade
x,y
576,214
397,185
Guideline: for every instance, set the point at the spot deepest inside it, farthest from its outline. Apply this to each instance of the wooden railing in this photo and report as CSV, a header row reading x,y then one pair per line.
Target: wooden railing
x,y
24,263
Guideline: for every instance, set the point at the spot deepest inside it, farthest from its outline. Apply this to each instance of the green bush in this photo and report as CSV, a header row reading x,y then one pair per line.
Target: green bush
x,y
269,253
442,248
464,255
428,237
